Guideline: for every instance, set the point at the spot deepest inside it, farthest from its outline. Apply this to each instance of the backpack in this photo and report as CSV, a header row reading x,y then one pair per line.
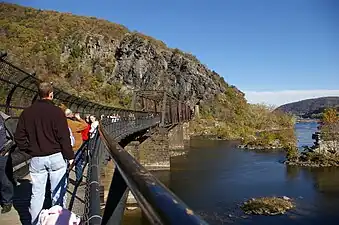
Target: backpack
x,y
71,137
3,136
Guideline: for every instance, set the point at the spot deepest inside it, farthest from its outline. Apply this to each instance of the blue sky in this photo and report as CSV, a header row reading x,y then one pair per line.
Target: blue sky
x,y
261,46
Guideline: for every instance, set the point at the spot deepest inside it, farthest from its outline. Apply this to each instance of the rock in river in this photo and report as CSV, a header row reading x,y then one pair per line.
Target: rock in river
x,y
268,205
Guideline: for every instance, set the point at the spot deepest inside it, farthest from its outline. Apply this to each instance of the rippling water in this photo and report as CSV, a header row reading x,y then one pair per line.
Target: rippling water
x,y
304,133
214,178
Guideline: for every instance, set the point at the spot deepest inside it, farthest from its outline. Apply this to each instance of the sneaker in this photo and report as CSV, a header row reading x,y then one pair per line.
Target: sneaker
x,y
6,208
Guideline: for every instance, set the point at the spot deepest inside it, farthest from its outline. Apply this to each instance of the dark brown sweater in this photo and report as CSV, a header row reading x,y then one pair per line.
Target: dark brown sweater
x,y
42,130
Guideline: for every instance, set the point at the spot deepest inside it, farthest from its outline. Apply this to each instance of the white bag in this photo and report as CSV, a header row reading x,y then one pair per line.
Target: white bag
x,y
58,216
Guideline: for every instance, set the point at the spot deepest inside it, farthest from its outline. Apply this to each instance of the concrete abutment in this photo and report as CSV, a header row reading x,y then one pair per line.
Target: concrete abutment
x,y
156,151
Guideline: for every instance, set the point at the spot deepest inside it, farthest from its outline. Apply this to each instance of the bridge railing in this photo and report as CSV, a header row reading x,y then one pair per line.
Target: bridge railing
x,y
131,123
158,204
18,90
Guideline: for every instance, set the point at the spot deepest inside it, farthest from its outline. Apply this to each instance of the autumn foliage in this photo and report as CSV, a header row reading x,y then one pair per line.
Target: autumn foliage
x,y
330,116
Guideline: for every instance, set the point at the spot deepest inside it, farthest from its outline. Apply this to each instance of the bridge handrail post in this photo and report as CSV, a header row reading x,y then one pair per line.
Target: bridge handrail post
x,y
92,194
163,110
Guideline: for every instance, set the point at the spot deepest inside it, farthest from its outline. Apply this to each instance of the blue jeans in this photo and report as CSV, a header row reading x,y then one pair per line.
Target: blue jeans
x,y
79,160
40,167
6,185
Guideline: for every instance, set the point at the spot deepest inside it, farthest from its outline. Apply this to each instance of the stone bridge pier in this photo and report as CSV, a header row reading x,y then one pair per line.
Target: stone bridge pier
x,y
155,152
155,148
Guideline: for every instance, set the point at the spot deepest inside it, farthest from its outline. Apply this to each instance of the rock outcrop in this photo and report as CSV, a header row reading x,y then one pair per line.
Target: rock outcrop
x,y
268,205
139,64
105,62
94,54
324,152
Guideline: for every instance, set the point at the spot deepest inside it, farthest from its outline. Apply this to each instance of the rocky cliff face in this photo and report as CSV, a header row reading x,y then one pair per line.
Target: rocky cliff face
x,y
97,55
104,62
139,64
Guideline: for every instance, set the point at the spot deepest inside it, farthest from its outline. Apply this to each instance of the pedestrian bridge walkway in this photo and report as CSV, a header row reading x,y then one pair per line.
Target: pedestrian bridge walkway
x,y
20,211
151,110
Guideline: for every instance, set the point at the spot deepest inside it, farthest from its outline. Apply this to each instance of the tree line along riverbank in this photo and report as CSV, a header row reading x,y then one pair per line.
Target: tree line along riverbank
x,y
230,117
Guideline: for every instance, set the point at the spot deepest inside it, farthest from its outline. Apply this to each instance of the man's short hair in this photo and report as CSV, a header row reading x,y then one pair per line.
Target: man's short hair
x,y
45,88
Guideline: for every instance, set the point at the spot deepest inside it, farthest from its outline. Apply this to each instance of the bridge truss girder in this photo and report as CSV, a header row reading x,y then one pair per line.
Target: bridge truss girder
x,y
18,90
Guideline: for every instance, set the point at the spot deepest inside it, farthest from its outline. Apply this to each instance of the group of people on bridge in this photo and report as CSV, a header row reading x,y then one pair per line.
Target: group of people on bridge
x,y
51,135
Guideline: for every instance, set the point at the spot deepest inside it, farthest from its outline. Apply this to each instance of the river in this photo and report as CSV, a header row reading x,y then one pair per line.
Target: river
x,y
215,177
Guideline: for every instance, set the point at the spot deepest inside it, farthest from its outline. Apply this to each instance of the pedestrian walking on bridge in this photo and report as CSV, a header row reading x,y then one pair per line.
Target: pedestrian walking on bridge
x,y
6,185
77,127
43,133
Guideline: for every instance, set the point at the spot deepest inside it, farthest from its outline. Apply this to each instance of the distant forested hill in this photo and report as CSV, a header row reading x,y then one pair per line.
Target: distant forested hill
x,y
310,108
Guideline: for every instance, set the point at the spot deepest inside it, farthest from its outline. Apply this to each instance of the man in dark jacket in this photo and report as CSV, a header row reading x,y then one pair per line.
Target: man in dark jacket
x,y
6,186
43,133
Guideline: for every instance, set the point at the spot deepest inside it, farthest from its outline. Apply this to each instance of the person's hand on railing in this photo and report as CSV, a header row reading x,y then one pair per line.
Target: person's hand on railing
x,y
77,116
